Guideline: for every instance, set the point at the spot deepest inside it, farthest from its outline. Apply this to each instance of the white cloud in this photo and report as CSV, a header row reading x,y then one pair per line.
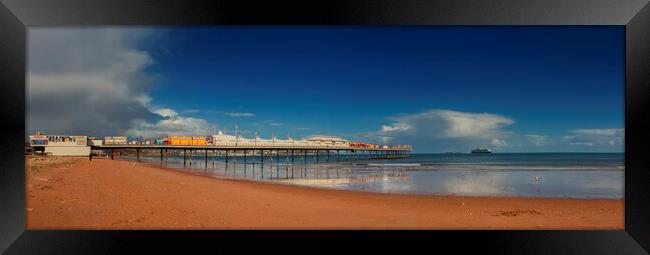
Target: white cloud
x,y
538,140
596,137
395,127
166,112
468,128
471,125
498,142
173,124
241,114
233,114
600,132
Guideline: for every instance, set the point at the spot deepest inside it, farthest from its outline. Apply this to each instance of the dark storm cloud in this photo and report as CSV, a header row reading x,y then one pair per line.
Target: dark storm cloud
x,y
87,81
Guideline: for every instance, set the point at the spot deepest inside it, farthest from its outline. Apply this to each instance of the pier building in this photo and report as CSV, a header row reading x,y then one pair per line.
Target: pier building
x,y
60,145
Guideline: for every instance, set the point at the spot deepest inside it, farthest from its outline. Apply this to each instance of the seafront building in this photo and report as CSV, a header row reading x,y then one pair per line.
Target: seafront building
x,y
328,140
222,139
60,145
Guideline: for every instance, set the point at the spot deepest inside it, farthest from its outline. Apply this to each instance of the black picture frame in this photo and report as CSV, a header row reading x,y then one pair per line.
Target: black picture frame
x,y
16,15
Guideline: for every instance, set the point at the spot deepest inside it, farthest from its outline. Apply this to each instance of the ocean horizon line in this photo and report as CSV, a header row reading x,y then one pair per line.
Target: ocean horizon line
x,y
493,152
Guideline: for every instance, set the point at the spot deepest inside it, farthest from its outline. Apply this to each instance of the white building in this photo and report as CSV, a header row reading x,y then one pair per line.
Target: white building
x,y
326,140
60,145
110,140
96,142
221,139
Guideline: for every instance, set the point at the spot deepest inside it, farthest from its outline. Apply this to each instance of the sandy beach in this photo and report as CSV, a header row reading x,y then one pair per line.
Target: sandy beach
x,y
75,193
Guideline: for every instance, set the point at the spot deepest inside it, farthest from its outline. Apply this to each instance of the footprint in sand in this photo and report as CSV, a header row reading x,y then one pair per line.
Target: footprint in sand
x,y
514,213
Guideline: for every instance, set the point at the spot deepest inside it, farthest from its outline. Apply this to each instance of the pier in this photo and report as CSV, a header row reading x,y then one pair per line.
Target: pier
x,y
331,152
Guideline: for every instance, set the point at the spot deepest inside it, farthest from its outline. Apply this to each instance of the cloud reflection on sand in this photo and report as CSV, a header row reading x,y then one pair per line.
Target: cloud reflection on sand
x,y
477,185
573,176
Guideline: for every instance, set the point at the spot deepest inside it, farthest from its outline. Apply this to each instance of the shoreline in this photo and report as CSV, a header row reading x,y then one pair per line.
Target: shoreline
x,y
118,194
154,165
280,182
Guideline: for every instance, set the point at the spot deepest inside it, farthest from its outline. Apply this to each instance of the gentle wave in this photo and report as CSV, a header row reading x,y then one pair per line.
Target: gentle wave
x,y
483,167
395,164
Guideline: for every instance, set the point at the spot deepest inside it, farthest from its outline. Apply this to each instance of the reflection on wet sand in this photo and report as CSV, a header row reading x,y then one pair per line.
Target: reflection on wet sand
x,y
480,179
335,181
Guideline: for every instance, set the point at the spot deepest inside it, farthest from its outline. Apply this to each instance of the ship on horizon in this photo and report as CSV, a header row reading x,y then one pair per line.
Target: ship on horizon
x,y
481,150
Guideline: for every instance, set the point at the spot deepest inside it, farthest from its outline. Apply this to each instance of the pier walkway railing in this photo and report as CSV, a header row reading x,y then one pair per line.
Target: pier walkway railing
x,y
370,153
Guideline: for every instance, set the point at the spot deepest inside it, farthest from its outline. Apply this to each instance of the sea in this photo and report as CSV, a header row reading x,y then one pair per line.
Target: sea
x,y
551,175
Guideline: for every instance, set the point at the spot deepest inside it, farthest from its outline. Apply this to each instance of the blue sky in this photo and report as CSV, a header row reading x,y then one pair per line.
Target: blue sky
x,y
514,89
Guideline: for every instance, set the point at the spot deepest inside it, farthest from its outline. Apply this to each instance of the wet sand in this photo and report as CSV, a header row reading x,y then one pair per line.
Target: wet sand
x,y
74,193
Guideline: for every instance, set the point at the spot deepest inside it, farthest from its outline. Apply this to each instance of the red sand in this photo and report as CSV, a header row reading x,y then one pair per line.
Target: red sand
x,y
73,193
